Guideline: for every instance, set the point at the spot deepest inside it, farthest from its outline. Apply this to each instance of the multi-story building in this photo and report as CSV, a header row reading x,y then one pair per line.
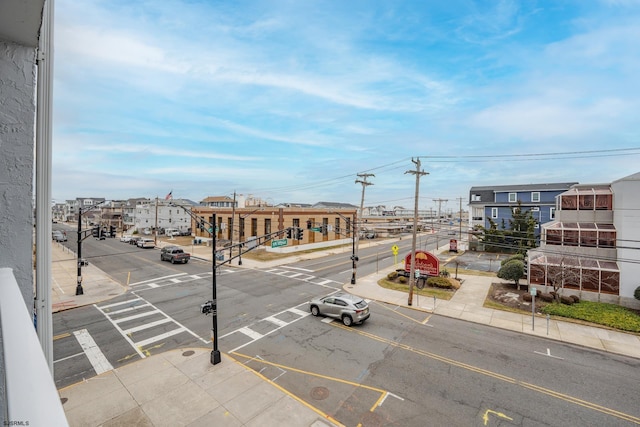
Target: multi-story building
x,y
159,214
498,202
592,248
129,211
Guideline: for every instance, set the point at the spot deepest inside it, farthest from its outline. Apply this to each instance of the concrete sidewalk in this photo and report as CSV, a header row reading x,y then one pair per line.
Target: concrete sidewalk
x,y
181,388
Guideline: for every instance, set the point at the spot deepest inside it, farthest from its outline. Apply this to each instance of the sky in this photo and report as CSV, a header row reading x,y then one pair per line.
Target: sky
x,y
290,100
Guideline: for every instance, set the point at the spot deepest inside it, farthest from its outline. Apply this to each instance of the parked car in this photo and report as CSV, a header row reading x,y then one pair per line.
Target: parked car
x,y
348,308
134,240
174,254
146,243
59,236
125,238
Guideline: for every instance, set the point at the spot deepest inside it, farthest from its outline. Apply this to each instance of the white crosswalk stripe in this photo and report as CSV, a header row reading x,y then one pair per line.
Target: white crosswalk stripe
x,y
303,277
176,279
140,334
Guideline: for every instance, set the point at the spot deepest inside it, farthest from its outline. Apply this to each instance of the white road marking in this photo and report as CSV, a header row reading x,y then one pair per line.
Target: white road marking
x,y
298,312
146,326
327,320
177,280
251,333
135,316
69,357
548,353
297,268
148,341
126,310
276,321
96,358
156,279
119,303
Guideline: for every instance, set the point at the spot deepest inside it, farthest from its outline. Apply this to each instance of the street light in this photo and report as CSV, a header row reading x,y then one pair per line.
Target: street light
x,y
354,258
79,289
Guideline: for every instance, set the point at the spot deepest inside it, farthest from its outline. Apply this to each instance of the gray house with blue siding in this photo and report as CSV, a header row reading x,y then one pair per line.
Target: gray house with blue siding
x,y
497,202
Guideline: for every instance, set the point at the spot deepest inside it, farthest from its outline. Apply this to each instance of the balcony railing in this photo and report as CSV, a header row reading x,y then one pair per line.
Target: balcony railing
x,y
30,396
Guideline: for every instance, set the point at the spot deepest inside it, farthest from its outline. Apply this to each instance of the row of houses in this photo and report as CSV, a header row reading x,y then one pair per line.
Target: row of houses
x,y
588,234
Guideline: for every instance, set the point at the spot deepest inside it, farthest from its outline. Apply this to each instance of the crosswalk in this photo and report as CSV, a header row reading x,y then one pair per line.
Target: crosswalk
x,y
176,279
142,324
246,335
291,273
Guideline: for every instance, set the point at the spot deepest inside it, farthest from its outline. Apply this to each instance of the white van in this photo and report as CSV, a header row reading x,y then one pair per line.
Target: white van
x,y
171,232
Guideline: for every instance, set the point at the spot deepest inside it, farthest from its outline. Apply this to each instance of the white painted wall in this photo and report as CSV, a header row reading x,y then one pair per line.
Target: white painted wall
x,y
17,135
626,202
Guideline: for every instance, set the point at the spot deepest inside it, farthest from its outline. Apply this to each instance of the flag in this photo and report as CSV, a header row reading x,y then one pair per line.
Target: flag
x,y
169,196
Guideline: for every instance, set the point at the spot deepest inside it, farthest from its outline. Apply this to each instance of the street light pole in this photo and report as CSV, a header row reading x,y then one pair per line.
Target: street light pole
x,y
354,258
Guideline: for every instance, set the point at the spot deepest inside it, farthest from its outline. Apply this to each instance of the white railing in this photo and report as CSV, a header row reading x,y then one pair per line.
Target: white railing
x,y
31,395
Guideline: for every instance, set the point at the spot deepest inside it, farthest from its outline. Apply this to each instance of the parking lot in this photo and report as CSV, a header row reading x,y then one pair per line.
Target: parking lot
x,y
472,260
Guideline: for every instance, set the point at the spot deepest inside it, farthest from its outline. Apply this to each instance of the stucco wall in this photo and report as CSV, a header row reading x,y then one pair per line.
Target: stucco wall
x,y
627,223
17,122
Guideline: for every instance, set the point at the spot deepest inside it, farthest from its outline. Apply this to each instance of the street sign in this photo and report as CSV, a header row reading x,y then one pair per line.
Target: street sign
x,y
278,242
210,229
316,229
395,248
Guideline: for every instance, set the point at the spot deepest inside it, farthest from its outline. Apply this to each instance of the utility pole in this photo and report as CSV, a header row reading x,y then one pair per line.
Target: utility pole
x,y
155,235
418,173
364,183
439,201
460,199
233,215
79,290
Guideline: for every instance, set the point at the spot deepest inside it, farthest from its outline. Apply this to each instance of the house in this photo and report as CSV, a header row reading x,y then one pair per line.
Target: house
x,y
497,202
592,246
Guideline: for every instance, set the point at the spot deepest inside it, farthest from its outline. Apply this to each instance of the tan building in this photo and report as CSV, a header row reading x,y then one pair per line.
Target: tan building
x,y
243,224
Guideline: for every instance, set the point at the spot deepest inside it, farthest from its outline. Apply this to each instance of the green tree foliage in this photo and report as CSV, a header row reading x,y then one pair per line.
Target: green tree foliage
x,y
519,257
522,226
493,238
512,270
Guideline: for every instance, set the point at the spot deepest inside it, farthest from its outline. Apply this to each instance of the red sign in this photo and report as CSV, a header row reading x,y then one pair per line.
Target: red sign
x,y
426,262
453,245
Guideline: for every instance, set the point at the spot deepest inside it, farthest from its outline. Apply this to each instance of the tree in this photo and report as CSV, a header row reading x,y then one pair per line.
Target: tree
x,y
512,270
492,237
522,226
562,271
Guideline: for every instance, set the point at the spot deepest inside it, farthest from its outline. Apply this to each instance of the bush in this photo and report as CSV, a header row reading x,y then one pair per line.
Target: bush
x,y
402,280
444,273
527,297
393,275
636,293
546,297
512,270
439,282
611,315
518,257
575,298
566,300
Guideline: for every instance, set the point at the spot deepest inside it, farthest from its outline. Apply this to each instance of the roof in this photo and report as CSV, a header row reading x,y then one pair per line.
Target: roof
x,y
334,205
554,186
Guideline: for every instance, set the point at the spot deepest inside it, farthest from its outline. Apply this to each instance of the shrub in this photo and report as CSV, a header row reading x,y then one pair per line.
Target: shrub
x,y
610,315
566,300
439,282
546,297
402,280
636,293
512,270
444,273
527,297
575,298
393,275
518,257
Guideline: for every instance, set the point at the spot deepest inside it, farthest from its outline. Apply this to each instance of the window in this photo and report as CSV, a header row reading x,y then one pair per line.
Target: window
x,y
513,197
494,212
535,209
552,213
535,196
475,198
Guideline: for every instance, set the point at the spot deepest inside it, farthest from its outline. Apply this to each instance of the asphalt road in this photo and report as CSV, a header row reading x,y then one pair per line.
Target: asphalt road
x,y
400,368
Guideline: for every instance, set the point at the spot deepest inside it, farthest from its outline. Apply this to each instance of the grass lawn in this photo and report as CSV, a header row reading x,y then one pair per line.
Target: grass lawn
x,y
427,292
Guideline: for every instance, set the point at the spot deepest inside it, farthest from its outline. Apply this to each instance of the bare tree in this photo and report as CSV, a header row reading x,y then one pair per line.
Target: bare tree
x,y
562,271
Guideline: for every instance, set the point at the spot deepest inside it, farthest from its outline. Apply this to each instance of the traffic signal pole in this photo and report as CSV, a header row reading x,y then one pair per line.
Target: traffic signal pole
x,y
79,290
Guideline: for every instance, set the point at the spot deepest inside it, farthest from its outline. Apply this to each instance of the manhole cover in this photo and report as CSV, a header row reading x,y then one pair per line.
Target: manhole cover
x,y
63,400
188,353
319,393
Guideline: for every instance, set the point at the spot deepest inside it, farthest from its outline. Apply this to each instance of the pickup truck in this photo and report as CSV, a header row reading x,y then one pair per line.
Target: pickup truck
x,y
174,254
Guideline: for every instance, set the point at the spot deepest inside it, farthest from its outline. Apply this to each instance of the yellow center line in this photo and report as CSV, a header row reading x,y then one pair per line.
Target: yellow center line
x,y
533,387
57,337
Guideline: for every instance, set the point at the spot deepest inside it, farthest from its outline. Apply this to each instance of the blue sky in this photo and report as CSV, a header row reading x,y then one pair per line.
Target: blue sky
x,y
290,100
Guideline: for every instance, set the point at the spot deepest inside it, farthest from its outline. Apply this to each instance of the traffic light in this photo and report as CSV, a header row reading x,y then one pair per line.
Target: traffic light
x,y
308,224
299,233
289,233
95,231
112,230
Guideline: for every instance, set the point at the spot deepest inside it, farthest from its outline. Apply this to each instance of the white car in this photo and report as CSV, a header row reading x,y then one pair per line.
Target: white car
x,y
146,243
125,238
59,236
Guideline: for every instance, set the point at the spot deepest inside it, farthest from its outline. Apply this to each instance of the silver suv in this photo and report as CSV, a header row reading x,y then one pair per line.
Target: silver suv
x,y
346,307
